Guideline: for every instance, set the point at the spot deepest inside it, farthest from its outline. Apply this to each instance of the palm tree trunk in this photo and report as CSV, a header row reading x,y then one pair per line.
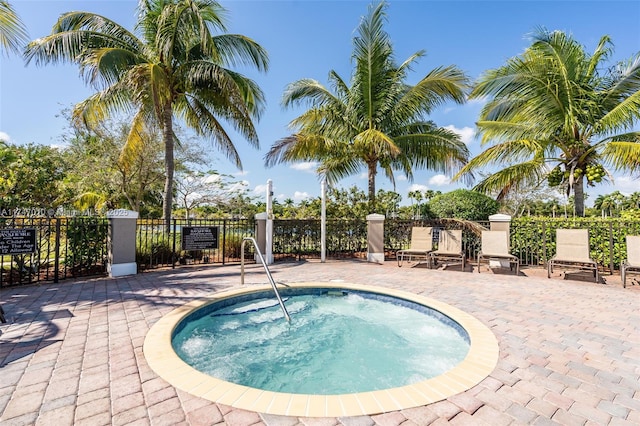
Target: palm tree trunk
x,y
372,185
578,199
167,136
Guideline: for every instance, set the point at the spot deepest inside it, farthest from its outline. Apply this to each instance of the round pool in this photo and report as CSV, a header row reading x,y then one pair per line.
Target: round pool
x,y
349,350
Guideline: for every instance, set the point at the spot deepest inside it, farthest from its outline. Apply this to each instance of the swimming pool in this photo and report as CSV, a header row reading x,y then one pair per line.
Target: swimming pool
x,y
479,361
338,341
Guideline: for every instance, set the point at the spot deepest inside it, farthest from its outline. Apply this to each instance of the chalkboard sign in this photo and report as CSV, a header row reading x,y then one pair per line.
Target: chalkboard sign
x,y
17,240
199,237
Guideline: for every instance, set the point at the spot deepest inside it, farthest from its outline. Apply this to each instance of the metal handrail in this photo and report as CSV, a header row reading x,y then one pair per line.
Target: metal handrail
x,y
266,269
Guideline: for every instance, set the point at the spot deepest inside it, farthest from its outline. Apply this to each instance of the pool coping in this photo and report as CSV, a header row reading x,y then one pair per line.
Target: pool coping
x,y
480,361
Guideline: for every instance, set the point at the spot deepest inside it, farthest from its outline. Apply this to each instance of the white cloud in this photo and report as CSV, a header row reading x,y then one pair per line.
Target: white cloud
x,y
400,178
626,184
418,187
241,173
260,189
308,166
5,137
240,187
297,196
466,133
439,180
211,178
364,175
478,101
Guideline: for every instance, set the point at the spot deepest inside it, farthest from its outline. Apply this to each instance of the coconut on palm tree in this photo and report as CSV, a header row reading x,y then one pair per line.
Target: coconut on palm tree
x,y
560,114
376,121
175,69
13,33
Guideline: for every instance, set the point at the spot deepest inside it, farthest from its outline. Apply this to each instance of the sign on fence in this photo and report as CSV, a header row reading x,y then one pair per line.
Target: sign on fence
x,y
199,237
17,240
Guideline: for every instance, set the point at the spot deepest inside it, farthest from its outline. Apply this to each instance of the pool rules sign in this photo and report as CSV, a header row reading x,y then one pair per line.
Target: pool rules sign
x,y
17,240
199,237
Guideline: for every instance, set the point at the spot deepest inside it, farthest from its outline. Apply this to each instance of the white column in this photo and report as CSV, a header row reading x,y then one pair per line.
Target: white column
x,y
323,222
268,255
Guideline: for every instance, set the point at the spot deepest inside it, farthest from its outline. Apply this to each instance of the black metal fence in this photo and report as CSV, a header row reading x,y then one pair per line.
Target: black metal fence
x,y
397,234
69,247
533,241
65,247
301,239
157,246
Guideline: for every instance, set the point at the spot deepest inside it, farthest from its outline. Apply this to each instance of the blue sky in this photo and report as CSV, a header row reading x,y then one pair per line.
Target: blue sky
x,y
307,39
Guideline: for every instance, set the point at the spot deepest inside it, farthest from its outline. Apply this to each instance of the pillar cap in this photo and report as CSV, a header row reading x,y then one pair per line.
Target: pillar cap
x,y
375,216
500,218
261,216
122,214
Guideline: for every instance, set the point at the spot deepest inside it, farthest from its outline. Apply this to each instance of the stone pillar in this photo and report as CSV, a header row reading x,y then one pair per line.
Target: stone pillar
x,y
375,238
261,232
501,222
122,242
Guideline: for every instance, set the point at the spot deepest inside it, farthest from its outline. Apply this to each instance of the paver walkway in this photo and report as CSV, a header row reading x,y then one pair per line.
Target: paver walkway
x,y
71,353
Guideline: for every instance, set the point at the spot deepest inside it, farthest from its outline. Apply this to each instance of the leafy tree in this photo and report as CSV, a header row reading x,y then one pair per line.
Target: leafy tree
x,y
558,113
377,121
13,33
194,189
31,177
175,70
101,177
463,204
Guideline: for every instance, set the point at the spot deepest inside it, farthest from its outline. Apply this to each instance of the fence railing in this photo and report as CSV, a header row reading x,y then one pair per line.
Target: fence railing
x,y
77,246
65,247
295,239
533,240
157,246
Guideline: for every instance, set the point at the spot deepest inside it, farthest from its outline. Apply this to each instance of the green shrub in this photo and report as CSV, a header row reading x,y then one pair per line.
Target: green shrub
x,y
86,239
463,204
536,236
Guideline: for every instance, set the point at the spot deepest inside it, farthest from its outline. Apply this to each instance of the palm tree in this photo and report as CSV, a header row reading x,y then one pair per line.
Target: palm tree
x,y
176,70
13,33
377,121
558,113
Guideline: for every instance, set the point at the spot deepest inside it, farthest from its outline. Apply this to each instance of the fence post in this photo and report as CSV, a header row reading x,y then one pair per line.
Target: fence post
x,y
261,232
56,262
174,226
122,242
375,238
611,247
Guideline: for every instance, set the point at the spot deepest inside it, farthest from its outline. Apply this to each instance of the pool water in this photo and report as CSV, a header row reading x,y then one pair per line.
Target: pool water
x,y
336,343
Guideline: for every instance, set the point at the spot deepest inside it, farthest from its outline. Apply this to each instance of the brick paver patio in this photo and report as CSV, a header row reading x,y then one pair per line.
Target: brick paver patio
x,y
71,353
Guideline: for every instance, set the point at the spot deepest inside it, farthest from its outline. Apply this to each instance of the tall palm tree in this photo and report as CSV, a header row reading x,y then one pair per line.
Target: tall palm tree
x,y
558,113
13,33
176,70
378,120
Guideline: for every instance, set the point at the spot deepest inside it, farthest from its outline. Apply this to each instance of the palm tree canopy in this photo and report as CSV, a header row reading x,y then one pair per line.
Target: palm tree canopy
x,y
376,120
178,68
13,33
557,105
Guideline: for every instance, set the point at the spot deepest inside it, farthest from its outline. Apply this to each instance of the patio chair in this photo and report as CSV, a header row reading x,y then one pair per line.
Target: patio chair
x,y
420,246
495,246
449,247
572,251
632,264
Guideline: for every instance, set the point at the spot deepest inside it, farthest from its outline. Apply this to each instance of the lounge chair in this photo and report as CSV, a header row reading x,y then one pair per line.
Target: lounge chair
x,y
495,246
449,247
420,246
632,264
572,251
